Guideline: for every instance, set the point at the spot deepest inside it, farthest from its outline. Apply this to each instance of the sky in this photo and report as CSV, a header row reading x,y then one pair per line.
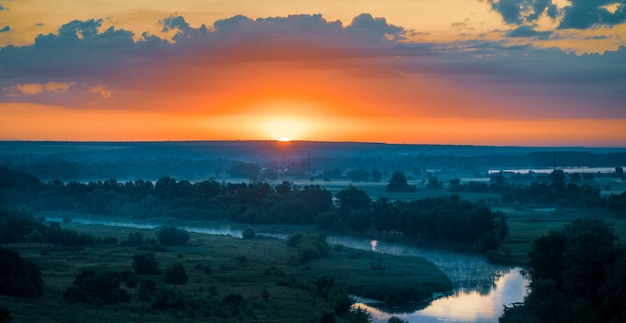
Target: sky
x,y
470,72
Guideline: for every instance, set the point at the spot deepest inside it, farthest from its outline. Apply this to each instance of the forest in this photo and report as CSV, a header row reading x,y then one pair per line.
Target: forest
x,y
442,220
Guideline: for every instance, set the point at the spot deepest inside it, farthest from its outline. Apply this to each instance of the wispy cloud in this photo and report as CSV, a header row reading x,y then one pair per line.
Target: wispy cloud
x,y
29,89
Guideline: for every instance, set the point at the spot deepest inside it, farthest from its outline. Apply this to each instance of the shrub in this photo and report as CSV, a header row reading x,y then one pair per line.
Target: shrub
x,y
175,274
359,315
310,245
19,277
134,239
147,288
248,233
93,288
171,236
145,264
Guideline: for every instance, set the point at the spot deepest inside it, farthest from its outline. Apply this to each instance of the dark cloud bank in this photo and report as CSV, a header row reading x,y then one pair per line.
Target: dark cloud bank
x,y
579,14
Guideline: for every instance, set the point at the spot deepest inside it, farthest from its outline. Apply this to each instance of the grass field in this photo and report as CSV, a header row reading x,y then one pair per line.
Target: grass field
x,y
527,225
274,287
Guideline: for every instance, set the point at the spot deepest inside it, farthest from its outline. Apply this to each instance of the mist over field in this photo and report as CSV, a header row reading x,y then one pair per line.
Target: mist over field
x,y
295,160
373,232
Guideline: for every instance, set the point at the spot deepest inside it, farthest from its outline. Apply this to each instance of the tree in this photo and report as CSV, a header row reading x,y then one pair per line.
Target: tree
x,y
398,183
353,198
340,301
577,275
359,315
175,274
558,179
619,172
145,264
172,236
434,182
360,220
19,277
93,288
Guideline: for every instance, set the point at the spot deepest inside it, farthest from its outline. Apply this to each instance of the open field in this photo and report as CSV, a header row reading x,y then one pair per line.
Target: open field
x,y
274,287
527,225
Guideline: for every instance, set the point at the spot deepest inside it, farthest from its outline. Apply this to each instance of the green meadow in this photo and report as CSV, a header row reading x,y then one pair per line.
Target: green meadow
x,y
265,274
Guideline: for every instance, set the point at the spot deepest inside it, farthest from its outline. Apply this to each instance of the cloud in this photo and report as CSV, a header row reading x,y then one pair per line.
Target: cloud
x,y
583,14
528,31
375,28
29,88
579,14
5,29
461,25
58,87
39,88
523,11
209,66
102,90
598,37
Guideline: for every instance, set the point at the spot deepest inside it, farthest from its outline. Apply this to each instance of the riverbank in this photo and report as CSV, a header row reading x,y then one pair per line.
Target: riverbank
x,y
273,286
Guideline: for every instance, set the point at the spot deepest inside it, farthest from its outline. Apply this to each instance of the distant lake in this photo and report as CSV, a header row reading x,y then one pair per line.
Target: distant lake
x,y
569,170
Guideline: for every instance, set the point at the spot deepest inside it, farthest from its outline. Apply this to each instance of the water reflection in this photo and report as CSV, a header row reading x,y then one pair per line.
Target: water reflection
x,y
463,305
480,288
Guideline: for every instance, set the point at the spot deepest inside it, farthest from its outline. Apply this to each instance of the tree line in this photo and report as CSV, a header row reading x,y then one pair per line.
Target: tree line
x,y
554,189
446,220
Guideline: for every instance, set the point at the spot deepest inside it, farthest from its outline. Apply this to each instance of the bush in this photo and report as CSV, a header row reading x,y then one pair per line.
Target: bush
x,y
146,289
134,239
175,274
359,315
145,264
19,277
310,245
93,288
168,298
171,236
248,233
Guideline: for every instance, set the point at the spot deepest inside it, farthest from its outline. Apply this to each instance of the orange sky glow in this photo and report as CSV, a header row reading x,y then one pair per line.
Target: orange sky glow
x,y
341,76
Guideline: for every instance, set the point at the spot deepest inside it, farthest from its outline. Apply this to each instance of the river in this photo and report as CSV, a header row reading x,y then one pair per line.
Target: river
x,y
481,289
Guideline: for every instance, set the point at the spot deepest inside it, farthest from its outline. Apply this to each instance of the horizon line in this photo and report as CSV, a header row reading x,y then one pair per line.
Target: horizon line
x,y
306,141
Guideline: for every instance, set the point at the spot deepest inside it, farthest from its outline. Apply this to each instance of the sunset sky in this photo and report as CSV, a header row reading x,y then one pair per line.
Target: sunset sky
x,y
480,72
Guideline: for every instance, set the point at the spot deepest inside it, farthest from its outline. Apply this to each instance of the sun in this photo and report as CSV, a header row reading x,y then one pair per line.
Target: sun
x,y
284,129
